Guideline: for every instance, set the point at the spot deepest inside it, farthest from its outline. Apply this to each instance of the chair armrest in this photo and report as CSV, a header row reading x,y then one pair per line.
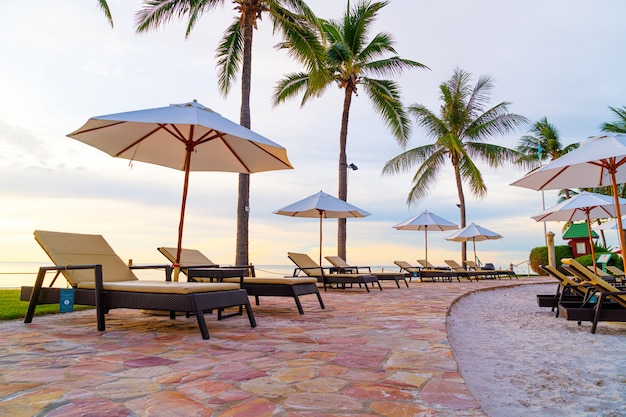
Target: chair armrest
x,y
166,268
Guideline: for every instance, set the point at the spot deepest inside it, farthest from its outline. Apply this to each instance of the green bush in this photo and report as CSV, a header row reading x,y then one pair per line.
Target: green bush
x,y
539,256
615,260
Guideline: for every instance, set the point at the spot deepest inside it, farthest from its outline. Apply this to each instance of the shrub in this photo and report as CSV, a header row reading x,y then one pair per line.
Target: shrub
x,y
539,256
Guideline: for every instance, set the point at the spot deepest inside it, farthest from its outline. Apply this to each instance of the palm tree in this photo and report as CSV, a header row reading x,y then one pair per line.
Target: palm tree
x,y
234,52
344,56
544,143
619,125
461,133
102,4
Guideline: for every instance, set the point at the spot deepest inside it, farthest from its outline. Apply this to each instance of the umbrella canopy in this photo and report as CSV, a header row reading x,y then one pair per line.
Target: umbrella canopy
x,y
583,206
474,233
188,137
609,225
426,221
598,162
321,205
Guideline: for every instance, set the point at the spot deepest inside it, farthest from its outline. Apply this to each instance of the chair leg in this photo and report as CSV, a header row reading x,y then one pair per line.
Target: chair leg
x,y
202,324
298,304
34,296
319,298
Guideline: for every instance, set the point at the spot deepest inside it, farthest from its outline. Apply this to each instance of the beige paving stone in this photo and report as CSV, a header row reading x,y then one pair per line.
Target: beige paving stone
x,y
126,388
322,385
167,404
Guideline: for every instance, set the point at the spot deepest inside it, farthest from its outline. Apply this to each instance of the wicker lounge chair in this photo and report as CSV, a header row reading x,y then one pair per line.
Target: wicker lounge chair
x,y
199,268
99,277
497,272
610,304
569,289
304,263
465,273
343,267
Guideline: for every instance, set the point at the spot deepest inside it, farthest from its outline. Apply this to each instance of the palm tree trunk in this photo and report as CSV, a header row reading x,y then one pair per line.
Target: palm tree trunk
x,y
459,188
343,172
243,200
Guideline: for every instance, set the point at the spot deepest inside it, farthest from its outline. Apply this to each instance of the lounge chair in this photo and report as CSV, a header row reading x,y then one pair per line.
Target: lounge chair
x,y
464,272
99,277
304,263
199,268
569,289
422,273
498,272
343,267
427,265
610,304
617,273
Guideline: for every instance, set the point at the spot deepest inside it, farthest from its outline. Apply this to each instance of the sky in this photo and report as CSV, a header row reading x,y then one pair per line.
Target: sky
x,y
62,63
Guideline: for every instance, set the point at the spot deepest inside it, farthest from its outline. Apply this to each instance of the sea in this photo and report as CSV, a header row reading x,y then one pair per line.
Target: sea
x,y
17,274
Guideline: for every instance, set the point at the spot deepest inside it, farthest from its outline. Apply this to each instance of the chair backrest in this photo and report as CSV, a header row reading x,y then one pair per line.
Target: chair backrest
x,y
188,257
406,266
588,276
561,277
425,263
65,249
615,271
454,265
337,261
305,263
472,265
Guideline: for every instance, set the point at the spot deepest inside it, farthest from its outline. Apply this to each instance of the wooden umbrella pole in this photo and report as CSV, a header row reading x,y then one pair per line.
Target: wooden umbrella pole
x,y
593,250
182,216
618,213
426,242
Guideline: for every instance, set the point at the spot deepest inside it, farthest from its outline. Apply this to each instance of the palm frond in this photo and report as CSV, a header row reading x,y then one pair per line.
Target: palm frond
x,y
229,56
426,177
392,66
619,125
289,87
104,6
407,159
155,13
472,176
387,101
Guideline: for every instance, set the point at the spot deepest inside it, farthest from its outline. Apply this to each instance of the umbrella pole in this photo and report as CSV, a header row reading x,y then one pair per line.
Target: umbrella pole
x,y
593,250
475,257
618,213
426,242
320,239
182,216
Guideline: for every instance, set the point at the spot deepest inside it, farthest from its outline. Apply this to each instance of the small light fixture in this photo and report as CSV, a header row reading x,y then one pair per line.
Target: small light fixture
x,y
353,167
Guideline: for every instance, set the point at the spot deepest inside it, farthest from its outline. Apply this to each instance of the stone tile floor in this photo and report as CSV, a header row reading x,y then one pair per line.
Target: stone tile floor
x,y
368,354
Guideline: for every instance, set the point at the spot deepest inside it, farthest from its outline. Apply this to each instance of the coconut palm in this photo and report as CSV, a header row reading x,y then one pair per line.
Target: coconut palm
x,y
461,133
543,144
102,4
619,125
234,53
350,59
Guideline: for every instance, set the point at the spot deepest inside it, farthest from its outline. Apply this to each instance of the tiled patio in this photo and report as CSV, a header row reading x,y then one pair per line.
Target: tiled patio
x,y
378,354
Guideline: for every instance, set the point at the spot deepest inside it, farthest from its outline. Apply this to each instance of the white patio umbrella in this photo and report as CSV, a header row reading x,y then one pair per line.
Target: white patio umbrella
x,y
188,137
609,225
321,205
426,221
598,162
583,206
475,233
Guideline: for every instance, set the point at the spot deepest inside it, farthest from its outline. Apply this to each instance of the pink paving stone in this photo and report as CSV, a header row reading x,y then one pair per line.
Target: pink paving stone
x,y
366,375
255,408
31,403
172,378
353,359
148,361
322,402
332,370
449,394
203,389
402,409
168,404
36,375
239,375
95,368
97,407
229,396
377,392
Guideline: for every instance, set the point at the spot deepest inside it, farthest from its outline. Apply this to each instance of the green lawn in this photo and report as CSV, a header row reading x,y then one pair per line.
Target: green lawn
x,y
12,308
